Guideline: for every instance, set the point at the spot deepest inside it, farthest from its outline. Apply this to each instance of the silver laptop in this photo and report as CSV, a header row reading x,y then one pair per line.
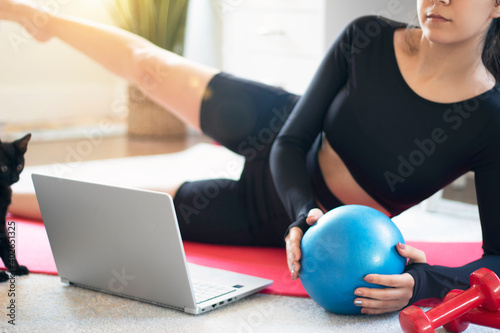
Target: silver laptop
x,y
126,242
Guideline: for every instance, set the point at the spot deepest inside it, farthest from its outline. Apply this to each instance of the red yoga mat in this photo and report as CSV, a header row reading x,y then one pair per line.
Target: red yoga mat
x,y
33,250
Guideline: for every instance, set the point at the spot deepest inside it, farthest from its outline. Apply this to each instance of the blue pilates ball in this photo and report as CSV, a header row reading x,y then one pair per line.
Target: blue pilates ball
x,y
345,245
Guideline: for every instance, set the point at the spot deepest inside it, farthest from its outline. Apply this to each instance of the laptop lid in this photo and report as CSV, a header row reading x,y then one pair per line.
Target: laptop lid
x,y
115,240
127,242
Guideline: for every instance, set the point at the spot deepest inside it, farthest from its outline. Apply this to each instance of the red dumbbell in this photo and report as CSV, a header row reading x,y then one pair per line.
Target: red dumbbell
x,y
477,316
484,290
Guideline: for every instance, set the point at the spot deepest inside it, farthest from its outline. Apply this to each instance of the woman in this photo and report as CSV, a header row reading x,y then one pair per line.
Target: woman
x,y
393,114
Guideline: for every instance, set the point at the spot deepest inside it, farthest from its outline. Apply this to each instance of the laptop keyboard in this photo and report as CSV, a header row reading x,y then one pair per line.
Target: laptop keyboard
x,y
204,291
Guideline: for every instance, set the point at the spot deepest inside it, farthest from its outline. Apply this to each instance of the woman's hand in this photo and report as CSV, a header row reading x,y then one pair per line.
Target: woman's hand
x,y
293,239
33,19
8,9
5,9
399,289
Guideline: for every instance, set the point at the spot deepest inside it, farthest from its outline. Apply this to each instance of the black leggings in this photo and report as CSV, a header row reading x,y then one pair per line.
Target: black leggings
x,y
245,117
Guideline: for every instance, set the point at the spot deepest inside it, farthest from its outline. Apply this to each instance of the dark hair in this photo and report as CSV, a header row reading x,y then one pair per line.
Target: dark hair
x,y
491,51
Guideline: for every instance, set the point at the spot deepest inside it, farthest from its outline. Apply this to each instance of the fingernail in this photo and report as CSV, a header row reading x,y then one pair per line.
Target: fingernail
x,y
358,292
369,279
402,246
358,303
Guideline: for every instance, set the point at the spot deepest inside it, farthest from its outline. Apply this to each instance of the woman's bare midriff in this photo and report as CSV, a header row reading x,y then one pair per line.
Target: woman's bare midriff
x,y
340,181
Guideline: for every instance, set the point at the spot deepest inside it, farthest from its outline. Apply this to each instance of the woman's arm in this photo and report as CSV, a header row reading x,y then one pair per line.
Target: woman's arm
x,y
169,79
424,281
288,155
436,281
113,48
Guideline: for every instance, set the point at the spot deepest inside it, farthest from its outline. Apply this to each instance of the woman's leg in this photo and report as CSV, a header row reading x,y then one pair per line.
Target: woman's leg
x,y
26,204
244,116
171,80
174,82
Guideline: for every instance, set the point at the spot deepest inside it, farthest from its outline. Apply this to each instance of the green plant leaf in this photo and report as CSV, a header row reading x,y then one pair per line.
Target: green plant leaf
x,y
162,22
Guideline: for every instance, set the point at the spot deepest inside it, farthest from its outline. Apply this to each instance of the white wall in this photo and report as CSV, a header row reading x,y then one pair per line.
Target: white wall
x,y
204,33
40,82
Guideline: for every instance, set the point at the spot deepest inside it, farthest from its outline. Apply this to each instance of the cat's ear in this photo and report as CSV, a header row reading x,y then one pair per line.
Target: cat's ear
x,y
22,144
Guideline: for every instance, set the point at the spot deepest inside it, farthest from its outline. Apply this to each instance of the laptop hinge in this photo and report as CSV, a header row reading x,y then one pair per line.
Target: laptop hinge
x,y
191,311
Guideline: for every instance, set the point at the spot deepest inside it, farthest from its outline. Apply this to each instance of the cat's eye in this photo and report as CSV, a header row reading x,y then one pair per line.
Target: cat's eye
x,y
4,168
19,167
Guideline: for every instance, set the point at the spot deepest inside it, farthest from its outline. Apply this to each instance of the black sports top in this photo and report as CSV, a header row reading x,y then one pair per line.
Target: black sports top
x,y
399,147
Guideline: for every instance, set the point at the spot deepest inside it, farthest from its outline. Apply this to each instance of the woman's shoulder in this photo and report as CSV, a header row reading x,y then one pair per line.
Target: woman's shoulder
x,y
374,23
492,97
489,105
363,30
370,30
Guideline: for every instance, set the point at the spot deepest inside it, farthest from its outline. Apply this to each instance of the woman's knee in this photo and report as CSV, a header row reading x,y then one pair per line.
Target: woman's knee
x,y
244,115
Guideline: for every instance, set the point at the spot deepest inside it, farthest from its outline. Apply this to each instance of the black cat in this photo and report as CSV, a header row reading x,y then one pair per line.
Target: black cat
x,y
11,165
